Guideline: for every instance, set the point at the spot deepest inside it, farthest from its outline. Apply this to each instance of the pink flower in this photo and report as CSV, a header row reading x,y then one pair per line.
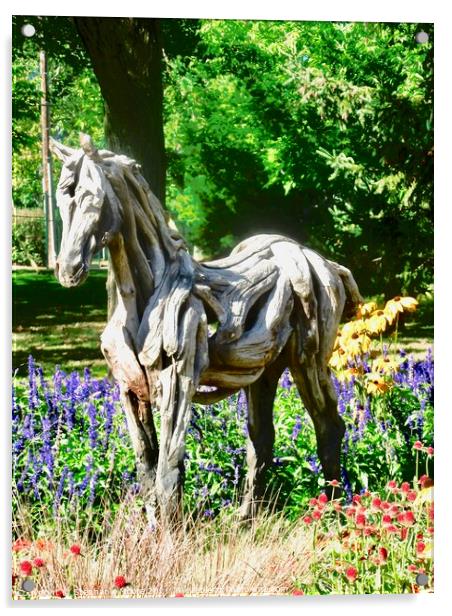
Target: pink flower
x,y
120,581
26,567
412,568
75,549
59,593
179,594
297,592
391,484
430,451
38,562
411,495
390,528
385,505
405,487
351,573
21,544
316,514
386,519
307,519
313,502
356,499
418,445
376,502
323,498
334,483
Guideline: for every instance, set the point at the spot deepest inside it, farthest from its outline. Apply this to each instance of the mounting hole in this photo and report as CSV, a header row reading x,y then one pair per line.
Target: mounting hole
x,y
421,37
421,579
28,30
28,585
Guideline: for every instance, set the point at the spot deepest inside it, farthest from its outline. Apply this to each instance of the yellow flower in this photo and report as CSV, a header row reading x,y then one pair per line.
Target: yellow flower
x,y
377,323
399,304
365,310
338,359
385,365
376,384
353,327
357,344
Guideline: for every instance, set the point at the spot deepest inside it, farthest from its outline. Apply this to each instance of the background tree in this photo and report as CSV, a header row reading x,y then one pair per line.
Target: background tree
x,y
322,131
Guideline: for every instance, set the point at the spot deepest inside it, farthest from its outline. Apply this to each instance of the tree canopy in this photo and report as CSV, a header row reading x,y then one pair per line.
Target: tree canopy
x,y
321,131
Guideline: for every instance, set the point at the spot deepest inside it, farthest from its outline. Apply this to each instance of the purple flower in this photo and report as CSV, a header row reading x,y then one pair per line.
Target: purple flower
x,y
296,428
286,383
93,425
33,397
59,491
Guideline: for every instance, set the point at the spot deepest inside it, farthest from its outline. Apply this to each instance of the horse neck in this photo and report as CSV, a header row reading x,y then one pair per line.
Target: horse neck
x,y
144,247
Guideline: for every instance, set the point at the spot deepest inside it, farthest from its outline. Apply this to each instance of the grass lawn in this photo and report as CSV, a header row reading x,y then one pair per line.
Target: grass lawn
x,y
58,325
62,326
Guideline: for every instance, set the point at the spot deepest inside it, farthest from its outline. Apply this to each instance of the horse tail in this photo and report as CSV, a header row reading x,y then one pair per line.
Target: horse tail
x,y
353,297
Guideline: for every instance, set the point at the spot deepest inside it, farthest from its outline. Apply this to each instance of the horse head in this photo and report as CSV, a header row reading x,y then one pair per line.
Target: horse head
x,y
82,199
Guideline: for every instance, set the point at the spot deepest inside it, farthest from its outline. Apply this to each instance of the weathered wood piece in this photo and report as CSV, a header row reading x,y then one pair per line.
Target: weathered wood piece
x,y
271,304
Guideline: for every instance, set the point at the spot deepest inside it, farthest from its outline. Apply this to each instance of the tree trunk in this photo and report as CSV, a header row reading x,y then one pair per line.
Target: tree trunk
x,y
126,55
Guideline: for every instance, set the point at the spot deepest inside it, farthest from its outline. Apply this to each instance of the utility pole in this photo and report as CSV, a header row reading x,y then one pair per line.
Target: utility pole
x,y
47,183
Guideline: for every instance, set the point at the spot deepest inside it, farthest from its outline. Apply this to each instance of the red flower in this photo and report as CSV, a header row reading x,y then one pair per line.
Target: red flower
x,y
21,544
297,592
307,519
356,499
350,512
430,451
59,593
385,505
386,519
412,568
420,547
323,498
120,581
390,528
405,487
75,549
26,567
316,514
411,495
420,536
382,555
391,484
360,519
351,574
376,502
313,502
403,533
179,594
418,445
409,518
334,482
38,562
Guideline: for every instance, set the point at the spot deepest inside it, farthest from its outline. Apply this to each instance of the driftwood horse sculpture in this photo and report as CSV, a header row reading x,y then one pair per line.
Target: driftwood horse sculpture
x,y
271,304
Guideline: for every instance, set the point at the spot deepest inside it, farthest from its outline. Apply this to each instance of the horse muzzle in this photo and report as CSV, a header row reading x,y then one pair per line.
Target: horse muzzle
x,y
71,275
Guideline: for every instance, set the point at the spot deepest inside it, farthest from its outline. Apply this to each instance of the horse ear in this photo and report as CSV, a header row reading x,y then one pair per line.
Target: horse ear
x,y
62,152
89,148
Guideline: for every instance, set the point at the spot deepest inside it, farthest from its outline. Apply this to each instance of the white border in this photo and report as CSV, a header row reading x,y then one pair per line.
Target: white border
x,y
380,10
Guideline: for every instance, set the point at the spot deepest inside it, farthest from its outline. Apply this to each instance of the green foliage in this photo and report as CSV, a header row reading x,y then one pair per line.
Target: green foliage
x,y
28,242
319,130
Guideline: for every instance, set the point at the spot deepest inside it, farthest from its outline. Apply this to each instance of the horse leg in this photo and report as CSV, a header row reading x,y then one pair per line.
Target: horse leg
x,y
261,437
145,444
318,395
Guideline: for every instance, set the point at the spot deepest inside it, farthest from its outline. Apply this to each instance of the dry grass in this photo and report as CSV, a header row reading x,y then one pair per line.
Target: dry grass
x,y
271,556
